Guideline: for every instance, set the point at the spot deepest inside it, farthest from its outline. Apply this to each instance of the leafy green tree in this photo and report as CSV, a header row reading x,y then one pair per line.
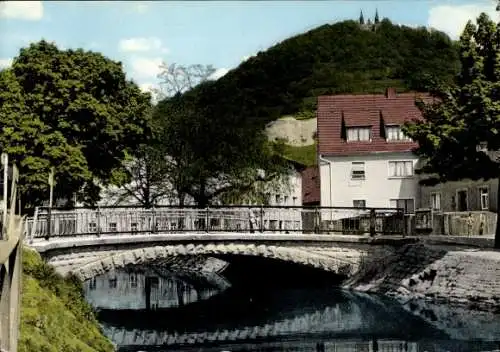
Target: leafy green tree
x,y
73,110
143,178
214,156
337,58
465,115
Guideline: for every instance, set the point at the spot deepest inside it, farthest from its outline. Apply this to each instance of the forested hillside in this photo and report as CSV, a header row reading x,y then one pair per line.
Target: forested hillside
x,y
344,57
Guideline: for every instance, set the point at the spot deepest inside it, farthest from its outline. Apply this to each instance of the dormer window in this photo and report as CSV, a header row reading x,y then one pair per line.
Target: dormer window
x,y
359,134
395,133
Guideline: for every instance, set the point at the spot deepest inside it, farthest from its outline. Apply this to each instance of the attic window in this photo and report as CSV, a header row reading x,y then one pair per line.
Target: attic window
x,y
358,134
395,133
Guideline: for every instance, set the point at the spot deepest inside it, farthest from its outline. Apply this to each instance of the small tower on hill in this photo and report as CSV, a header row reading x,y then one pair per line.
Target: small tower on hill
x,y
369,25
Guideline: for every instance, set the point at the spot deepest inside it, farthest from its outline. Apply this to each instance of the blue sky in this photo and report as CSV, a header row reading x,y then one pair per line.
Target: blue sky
x,y
143,34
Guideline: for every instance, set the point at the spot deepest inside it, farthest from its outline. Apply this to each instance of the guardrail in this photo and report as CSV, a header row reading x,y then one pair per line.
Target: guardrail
x,y
11,227
48,223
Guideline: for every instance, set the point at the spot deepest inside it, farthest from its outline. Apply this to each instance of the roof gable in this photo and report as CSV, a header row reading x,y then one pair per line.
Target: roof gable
x,y
336,112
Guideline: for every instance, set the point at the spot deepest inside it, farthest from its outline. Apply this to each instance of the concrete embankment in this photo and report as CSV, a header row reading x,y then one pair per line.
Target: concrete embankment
x,y
434,274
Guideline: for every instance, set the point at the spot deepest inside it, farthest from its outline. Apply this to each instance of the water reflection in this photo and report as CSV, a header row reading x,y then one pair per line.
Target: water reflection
x,y
190,315
139,288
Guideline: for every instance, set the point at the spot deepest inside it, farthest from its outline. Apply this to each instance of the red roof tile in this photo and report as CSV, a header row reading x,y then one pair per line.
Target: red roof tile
x,y
310,186
364,110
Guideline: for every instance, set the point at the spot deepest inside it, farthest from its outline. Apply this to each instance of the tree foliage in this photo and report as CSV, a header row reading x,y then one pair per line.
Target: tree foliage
x,y
156,173
333,59
214,157
465,114
71,109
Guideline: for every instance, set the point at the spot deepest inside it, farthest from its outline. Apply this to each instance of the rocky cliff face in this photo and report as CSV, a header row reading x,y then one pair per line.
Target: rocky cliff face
x,y
467,277
297,133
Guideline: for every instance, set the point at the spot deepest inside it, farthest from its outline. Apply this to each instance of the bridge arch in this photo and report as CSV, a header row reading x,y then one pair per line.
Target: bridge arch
x,y
340,264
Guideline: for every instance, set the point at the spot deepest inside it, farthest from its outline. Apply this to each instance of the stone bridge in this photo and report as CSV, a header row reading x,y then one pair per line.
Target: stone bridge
x,y
89,256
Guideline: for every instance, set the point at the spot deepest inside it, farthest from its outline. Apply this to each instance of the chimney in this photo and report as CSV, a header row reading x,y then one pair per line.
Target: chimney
x,y
390,93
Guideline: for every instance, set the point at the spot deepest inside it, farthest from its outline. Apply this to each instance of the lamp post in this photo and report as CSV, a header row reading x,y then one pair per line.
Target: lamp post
x,y
5,164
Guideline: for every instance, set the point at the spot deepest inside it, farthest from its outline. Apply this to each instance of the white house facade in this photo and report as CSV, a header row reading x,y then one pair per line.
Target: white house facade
x,y
365,160
373,180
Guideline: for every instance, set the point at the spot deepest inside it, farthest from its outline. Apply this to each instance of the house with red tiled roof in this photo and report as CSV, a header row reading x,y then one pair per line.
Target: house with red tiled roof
x,y
364,158
310,186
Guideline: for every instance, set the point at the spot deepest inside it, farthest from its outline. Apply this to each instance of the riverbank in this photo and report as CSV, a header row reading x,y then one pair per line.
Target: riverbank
x,y
54,314
434,274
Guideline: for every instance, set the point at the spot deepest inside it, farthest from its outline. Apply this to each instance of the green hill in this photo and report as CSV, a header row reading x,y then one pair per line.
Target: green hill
x,y
344,57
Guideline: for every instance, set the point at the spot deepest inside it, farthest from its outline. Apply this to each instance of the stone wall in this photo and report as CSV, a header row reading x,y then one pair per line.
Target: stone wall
x,y
436,274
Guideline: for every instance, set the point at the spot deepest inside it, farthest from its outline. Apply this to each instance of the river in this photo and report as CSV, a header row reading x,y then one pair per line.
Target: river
x,y
153,309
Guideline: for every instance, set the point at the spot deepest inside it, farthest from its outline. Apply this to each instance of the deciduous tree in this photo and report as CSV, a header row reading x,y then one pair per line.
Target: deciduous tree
x,y
71,109
465,115
156,172
216,154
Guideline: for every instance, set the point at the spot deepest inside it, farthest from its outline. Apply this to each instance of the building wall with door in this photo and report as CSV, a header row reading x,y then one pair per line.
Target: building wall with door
x,y
457,196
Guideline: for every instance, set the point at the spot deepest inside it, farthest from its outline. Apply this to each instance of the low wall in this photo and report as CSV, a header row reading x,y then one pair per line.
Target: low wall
x,y
468,223
436,274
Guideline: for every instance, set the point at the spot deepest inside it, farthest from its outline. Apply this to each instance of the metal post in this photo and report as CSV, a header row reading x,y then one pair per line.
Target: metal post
x,y
153,220
33,225
373,222
207,217
317,220
98,222
51,198
5,164
261,219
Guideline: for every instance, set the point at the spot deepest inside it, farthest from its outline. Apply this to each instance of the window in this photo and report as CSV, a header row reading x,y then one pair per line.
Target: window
x,y
359,203
112,282
267,198
394,133
278,199
358,170
134,227
133,280
92,283
285,200
92,227
462,201
484,198
436,201
294,199
112,227
357,134
400,168
408,205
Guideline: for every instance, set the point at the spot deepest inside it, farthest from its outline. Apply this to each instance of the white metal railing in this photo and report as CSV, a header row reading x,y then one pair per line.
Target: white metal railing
x,y
85,221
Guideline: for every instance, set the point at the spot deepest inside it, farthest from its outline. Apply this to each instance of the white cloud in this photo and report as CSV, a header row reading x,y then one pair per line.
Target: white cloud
x,y
142,45
4,63
152,88
452,19
143,67
219,73
22,10
147,87
246,57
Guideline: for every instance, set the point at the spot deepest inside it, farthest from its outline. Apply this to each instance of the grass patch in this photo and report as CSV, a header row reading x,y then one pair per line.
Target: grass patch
x,y
54,314
305,155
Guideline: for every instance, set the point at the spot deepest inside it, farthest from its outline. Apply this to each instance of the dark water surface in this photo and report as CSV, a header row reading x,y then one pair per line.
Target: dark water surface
x,y
152,309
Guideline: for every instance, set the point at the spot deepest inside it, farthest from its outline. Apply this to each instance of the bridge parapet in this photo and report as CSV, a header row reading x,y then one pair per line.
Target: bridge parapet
x,y
245,219
11,235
